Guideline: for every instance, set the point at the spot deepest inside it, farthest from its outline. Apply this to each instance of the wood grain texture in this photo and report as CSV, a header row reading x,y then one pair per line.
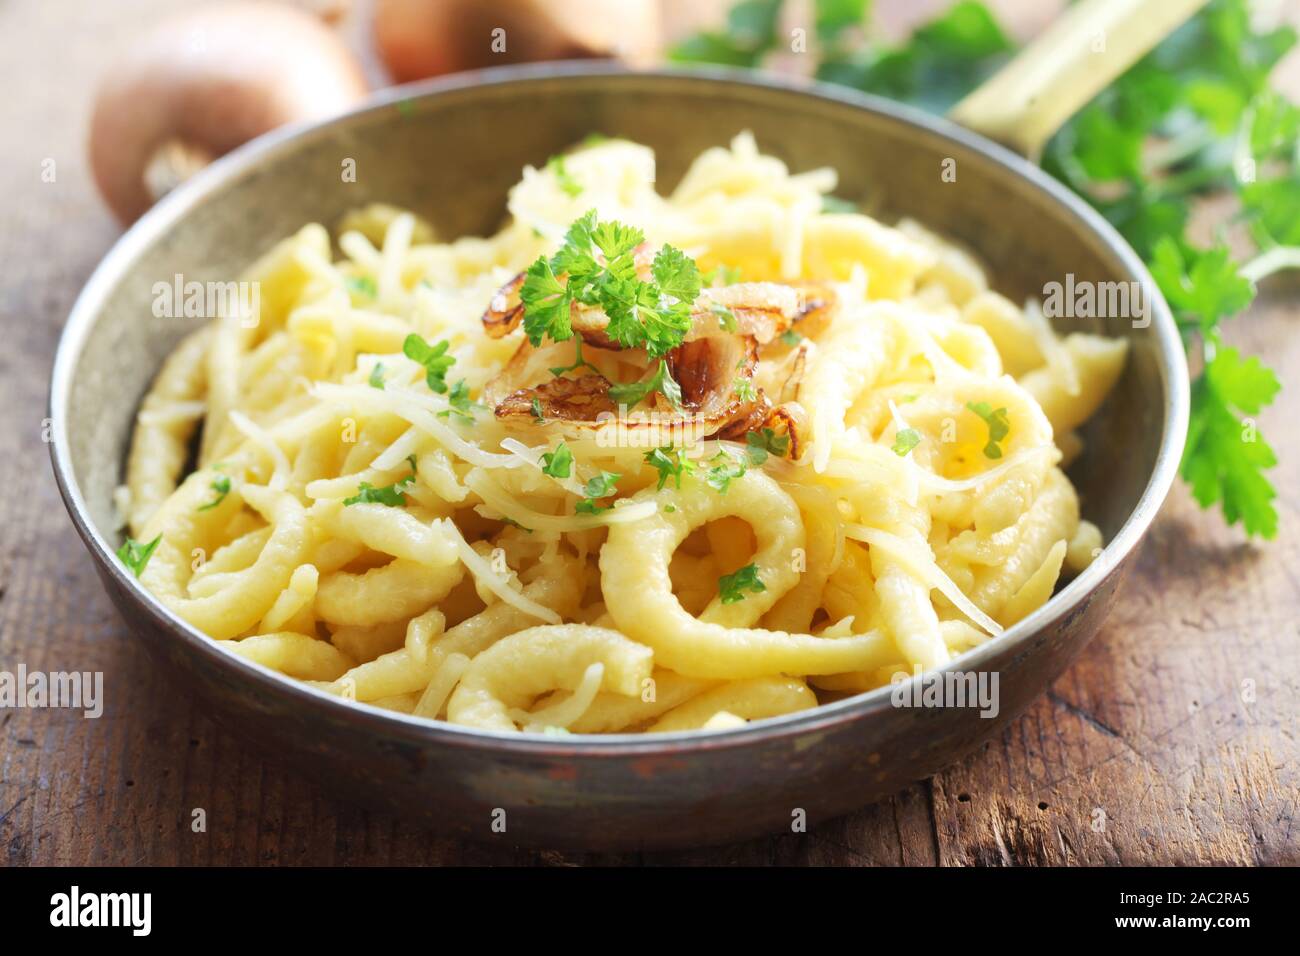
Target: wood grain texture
x,y
1148,750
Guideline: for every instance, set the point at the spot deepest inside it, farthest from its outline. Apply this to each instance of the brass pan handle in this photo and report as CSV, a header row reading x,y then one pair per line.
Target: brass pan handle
x,y
1073,60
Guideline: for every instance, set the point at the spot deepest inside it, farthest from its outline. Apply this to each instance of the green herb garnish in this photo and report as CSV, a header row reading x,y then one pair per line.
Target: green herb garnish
x,y
671,463
732,587
602,486
377,376
905,439
391,495
558,463
725,468
632,394
363,286
462,406
135,555
760,444
434,358
998,423
596,267
567,183
726,318
221,485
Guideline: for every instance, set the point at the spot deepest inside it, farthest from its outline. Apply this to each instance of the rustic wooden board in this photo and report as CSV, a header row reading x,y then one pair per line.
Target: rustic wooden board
x,y
1150,733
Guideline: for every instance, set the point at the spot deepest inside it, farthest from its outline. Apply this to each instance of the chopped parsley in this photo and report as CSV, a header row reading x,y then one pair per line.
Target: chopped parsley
x,y
732,587
562,175
558,463
391,495
726,468
999,426
221,485
671,463
536,406
377,376
632,394
905,439
760,444
462,406
135,554
578,361
726,318
743,389
602,486
434,358
363,286
791,338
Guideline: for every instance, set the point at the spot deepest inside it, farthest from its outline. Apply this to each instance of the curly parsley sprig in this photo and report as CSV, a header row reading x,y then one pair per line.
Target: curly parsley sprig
x,y
596,267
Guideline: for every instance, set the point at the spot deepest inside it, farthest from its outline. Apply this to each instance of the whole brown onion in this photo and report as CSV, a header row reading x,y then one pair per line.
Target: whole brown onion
x,y
200,84
421,38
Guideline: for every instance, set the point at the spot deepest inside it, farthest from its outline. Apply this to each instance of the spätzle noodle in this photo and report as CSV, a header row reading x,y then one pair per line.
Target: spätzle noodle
x,y
842,462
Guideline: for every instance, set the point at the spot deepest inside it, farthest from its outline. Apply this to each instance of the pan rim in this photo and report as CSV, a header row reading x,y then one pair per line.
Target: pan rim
x,y
155,224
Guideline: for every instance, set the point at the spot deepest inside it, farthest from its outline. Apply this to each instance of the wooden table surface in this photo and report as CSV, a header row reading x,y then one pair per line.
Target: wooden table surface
x,y
1172,740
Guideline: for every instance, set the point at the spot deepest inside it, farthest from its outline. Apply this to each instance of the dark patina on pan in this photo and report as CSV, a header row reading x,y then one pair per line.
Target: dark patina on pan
x,y
450,149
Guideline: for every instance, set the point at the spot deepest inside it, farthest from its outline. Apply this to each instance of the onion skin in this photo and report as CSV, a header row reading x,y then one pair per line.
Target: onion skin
x,y
423,38
211,80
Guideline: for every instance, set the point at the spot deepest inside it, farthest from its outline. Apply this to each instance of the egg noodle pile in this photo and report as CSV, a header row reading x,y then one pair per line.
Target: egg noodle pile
x,y
878,491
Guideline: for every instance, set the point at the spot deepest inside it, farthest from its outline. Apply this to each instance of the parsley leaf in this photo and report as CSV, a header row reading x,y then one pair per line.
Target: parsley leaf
x,y
905,439
791,338
762,443
363,286
571,186
536,406
743,389
726,318
632,394
135,554
434,358
377,376
671,463
462,406
578,361
751,32
391,495
546,304
998,423
1204,285
1225,457
601,486
732,587
558,463
221,485
726,468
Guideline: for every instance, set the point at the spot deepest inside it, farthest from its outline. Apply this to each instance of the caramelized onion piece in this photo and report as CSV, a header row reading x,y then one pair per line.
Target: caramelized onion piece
x,y
818,307
505,311
581,399
789,419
